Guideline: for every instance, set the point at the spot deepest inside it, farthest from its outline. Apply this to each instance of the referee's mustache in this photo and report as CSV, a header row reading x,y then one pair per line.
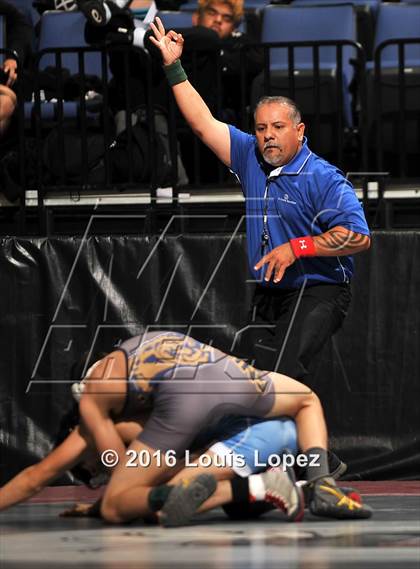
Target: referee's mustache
x,y
271,145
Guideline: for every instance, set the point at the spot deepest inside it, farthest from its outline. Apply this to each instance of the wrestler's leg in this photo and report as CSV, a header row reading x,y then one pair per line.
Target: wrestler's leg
x,y
296,400
127,494
139,491
254,445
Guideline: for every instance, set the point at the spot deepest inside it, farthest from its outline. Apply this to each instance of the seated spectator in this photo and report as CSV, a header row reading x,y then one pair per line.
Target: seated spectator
x,y
19,39
7,107
216,25
214,32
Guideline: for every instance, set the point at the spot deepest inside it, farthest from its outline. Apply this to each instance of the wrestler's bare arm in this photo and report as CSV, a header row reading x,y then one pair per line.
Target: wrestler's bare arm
x,y
298,401
73,450
34,478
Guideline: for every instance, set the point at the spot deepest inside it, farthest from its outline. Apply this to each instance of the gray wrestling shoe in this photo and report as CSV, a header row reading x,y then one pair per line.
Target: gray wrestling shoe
x,y
185,499
282,491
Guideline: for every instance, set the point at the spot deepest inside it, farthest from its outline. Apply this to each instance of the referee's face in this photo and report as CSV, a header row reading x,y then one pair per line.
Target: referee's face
x,y
279,138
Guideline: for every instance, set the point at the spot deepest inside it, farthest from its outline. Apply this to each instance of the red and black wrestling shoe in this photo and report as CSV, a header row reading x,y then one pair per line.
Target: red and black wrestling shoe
x,y
330,501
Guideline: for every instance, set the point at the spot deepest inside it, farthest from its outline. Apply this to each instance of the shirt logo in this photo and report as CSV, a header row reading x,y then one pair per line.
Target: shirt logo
x,y
286,199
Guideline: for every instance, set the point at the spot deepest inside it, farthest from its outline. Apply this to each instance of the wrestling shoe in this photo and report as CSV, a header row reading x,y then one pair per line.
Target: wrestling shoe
x,y
330,501
282,491
352,494
185,499
96,12
307,488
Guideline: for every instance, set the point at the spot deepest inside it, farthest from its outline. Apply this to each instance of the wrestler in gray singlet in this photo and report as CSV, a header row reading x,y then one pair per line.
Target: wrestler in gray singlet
x,y
189,386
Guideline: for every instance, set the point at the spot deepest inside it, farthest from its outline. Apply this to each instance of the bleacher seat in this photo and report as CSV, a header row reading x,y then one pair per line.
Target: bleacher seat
x,y
398,21
66,29
299,24
373,3
256,5
366,13
175,20
27,8
395,126
319,23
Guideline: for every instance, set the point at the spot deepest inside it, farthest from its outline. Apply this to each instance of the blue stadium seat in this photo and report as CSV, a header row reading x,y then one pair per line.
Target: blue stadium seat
x,y
323,97
394,97
66,29
189,7
255,4
373,4
175,20
366,13
293,24
398,21
312,23
49,111
27,8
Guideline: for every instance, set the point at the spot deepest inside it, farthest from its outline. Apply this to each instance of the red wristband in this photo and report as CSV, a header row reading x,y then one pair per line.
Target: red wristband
x,y
303,246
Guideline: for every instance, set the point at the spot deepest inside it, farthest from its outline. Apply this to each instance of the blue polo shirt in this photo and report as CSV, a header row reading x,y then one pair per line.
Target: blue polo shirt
x,y
307,196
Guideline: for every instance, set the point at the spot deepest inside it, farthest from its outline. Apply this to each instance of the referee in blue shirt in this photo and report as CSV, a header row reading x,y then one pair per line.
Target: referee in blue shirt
x,y
303,223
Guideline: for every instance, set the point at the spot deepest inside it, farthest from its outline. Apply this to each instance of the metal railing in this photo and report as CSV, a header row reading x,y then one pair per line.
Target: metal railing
x,y
399,112
38,125
293,74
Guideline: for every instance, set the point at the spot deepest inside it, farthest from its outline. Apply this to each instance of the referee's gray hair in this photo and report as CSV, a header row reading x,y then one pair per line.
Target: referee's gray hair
x,y
295,113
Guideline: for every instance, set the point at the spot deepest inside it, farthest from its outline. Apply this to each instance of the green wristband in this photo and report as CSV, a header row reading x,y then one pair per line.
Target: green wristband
x,y
175,73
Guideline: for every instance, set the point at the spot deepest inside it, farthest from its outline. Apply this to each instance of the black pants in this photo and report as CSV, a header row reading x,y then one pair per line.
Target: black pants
x,y
288,328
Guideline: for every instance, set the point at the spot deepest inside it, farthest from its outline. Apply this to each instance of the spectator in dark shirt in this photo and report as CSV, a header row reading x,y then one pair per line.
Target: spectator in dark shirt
x,y
19,35
214,32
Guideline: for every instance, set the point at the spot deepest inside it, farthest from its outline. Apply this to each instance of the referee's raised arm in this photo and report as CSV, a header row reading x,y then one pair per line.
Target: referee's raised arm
x,y
215,134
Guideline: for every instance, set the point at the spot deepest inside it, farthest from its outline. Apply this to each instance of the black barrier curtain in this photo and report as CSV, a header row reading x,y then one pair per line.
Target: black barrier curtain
x,y
64,295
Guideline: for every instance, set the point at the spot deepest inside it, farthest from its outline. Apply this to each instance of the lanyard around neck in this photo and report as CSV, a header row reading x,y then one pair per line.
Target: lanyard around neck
x,y
265,235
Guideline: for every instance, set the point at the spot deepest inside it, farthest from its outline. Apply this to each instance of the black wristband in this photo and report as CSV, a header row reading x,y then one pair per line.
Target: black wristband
x,y
175,73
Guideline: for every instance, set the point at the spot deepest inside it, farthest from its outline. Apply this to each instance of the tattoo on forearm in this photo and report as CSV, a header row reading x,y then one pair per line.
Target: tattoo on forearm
x,y
337,239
